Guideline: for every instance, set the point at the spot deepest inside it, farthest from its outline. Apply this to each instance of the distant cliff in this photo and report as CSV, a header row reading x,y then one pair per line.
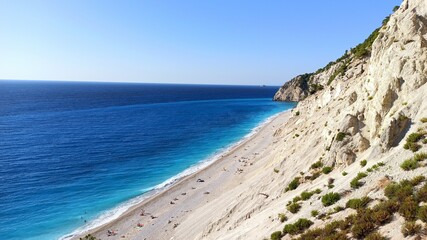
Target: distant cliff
x,y
349,66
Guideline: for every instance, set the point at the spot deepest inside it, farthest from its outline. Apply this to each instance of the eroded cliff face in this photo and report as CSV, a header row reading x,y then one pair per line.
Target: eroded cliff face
x,y
373,98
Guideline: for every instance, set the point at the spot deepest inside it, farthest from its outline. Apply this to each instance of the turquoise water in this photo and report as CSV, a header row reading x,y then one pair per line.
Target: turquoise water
x,y
76,154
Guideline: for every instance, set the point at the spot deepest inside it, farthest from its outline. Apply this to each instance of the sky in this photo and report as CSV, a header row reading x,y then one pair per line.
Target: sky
x,y
186,41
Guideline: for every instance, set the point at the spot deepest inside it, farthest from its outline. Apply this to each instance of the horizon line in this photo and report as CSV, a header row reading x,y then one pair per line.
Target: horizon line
x,y
136,82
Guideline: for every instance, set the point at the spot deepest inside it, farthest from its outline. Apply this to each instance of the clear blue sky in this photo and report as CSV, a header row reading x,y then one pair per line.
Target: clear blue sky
x,y
186,41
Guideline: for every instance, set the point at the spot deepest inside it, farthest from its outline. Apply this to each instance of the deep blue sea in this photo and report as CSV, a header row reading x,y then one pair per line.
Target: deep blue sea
x,y
73,153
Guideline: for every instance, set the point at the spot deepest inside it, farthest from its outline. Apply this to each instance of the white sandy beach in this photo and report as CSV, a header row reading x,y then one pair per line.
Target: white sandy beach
x,y
184,211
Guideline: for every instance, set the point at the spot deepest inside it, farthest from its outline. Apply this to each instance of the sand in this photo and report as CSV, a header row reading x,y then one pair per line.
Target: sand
x,y
184,210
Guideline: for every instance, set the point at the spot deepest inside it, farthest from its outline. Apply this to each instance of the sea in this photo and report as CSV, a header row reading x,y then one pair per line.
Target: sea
x,y
74,155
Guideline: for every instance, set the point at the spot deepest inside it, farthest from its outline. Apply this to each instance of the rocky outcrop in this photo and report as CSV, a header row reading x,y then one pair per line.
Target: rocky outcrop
x,y
300,87
294,90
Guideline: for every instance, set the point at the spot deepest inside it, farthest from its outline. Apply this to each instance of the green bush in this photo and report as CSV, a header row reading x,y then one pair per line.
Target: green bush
x,y
411,141
417,180
408,209
315,88
296,199
282,217
327,170
383,212
339,71
331,228
315,175
423,120
340,136
276,170
338,209
88,237
276,235
409,164
357,203
314,213
303,223
297,227
364,49
412,146
344,173
421,194
382,216
363,163
399,191
290,229
375,236
310,234
411,228
330,198
390,206
320,234
361,175
355,183
381,164
363,224
294,207
395,8
294,183
317,164
414,137
422,213
420,157
306,195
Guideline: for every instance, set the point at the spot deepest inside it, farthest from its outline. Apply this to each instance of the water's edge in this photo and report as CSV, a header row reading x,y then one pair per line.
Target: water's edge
x,y
114,213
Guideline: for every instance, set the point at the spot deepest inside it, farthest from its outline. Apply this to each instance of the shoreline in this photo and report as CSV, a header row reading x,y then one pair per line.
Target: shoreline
x,y
100,226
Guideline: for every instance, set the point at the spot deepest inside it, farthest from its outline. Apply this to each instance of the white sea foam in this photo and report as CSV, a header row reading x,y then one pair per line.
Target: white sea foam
x,y
112,214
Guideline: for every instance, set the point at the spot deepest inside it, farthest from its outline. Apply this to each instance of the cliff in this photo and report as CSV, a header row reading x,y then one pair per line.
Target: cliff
x,y
370,104
359,122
